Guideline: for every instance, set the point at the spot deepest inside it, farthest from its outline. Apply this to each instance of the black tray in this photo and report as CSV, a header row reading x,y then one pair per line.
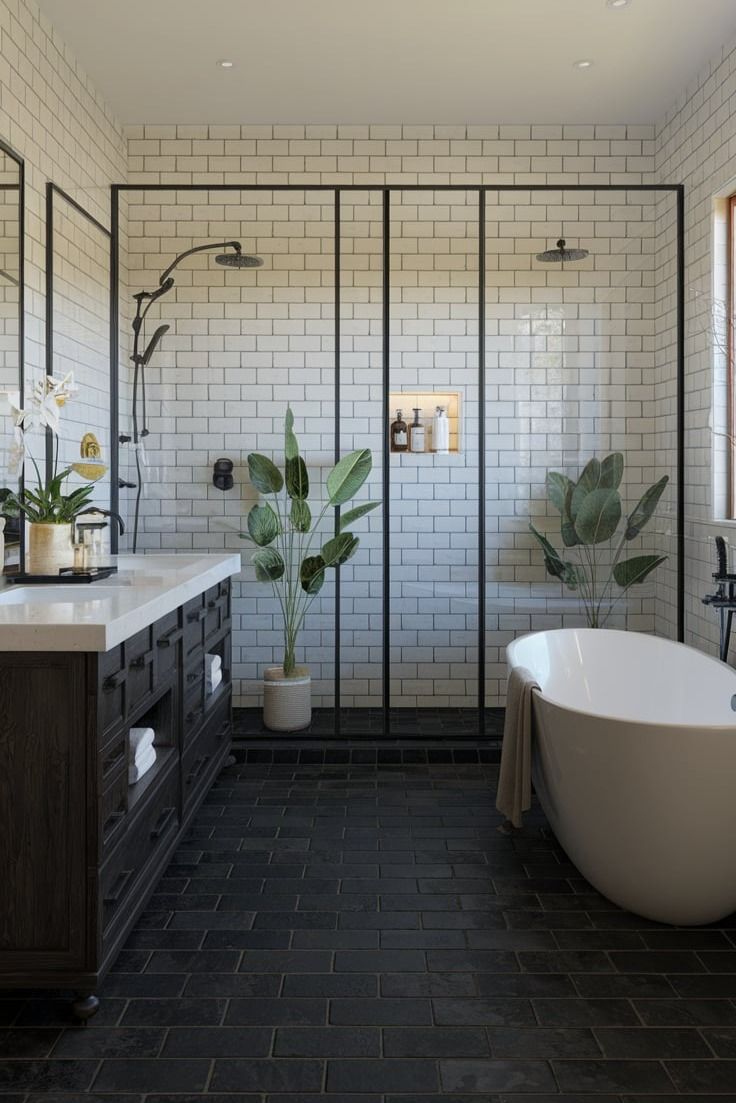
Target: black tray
x,y
65,575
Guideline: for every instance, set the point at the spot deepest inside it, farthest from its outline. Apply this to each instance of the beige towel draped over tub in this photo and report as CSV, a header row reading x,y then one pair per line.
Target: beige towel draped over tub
x,y
514,795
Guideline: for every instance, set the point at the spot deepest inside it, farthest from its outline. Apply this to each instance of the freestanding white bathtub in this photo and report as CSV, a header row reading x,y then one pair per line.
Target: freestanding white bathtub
x,y
634,764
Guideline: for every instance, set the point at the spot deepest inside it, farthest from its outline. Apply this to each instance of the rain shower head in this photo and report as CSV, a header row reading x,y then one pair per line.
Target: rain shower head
x,y
238,260
561,253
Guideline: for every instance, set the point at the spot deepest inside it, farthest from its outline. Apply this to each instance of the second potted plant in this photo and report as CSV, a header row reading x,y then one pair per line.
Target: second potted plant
x,y
293,558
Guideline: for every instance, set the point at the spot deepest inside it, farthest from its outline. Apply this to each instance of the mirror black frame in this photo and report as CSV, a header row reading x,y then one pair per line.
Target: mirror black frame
x,y
20,162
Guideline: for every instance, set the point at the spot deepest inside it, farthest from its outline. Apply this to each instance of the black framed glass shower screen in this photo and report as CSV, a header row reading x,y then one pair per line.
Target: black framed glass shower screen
x,y
436,297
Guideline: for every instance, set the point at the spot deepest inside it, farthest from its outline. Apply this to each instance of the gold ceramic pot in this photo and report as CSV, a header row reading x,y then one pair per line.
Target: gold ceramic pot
x,y
287,702
49,548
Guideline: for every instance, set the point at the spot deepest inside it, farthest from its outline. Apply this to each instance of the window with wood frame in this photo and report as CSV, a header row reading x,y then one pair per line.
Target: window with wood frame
x,y
730,335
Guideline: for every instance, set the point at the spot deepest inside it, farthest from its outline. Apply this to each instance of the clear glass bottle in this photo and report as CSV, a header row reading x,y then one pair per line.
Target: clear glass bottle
x,y
416,432
440,431
399,434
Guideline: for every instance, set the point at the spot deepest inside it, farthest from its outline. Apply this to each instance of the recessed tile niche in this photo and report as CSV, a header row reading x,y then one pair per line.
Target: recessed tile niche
x,y
427,402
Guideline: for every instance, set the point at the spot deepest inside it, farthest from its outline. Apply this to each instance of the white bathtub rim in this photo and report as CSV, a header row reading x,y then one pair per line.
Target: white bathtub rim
x,y
626,720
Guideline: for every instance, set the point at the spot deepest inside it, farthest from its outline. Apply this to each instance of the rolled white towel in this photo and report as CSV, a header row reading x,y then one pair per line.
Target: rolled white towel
x,y
137,769
139,740
213,681
212,663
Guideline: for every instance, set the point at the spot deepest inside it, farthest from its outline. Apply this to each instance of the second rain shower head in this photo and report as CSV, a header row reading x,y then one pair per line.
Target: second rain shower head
x,y
561,253
238,260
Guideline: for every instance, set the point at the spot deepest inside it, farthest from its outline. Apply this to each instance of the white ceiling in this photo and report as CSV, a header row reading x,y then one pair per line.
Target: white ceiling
x,y
391,61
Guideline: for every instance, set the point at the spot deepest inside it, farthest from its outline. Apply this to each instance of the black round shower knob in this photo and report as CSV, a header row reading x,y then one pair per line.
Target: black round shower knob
x,y
222,474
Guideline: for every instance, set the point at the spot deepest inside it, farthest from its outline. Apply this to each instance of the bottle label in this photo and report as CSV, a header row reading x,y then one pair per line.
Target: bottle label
x,y
417,439
400,436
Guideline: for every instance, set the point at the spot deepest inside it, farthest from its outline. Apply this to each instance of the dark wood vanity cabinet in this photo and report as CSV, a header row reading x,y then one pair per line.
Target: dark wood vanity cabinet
x,y
81,850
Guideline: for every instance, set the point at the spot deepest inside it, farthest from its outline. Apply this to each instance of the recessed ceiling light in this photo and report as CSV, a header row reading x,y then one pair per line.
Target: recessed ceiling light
x,y
618,3
226,64
584,63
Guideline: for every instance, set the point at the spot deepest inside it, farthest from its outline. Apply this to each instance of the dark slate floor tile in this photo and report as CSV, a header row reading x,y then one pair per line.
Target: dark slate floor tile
x,y
288,1075
29,1042
222,1041
654,1042
278,1012
435,1042
232,984
380,961
698,1077
472,961
722,1040
193,961
623,986
110,1042
483,1012
704,985
147,1076
656,961
330,985
381,1012
495,1076
396,1075
526,985
427,984
335,940
379,921
27,1076
59,1013
685,1012
331,1041
181,1012
611,1076
542,1042
585,1012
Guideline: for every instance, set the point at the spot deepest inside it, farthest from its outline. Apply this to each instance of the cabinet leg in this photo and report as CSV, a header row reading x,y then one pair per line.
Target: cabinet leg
x,y
85,1005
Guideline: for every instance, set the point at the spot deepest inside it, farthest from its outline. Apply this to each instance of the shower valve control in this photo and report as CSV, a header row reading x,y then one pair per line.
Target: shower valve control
x,y
222,474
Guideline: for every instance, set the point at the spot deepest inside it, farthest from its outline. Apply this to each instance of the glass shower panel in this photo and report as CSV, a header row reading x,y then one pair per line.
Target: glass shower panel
x,y
434,250
572,364
243,344
361,426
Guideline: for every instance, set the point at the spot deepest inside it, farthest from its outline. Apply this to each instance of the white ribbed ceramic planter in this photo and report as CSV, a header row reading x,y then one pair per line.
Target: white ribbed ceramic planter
x,y
49,548
287,702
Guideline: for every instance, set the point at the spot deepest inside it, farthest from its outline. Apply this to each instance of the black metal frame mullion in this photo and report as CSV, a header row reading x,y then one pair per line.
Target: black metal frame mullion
x,y
481,463
337,399
386,472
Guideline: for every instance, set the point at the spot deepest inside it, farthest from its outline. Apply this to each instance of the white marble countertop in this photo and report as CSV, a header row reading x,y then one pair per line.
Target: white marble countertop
x,y
96,616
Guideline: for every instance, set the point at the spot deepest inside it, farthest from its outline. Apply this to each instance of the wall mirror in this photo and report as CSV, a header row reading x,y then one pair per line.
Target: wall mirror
x,y
11,325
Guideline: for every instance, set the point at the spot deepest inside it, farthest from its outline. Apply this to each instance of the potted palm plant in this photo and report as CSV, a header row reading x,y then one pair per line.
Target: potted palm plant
x,y
293,558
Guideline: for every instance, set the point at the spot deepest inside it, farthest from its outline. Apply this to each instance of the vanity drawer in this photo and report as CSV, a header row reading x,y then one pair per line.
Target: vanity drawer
x,y
114,807
167,636
112,678
199,757
194,613
149,833
139,656
193,706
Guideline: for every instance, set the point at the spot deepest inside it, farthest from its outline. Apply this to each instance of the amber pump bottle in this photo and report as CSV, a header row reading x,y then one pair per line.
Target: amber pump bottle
x,y
399,434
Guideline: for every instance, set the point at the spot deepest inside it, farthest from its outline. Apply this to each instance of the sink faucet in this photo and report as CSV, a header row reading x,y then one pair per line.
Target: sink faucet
x,y
724,599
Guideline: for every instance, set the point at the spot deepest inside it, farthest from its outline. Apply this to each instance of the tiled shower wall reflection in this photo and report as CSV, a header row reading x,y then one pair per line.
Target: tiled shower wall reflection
x,y
571,371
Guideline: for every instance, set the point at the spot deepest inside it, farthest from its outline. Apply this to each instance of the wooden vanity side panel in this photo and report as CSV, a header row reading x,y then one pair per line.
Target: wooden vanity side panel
x,y
44,740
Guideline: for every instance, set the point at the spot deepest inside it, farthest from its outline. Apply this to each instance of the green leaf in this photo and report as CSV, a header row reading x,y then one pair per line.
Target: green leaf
x,y
300,516
312,574
555,564
297,479
588,481
644,508
567,528
339,549
263,525
598,516
354,514
268,564
264,474
347,477
557,488
629,572
292,446
612,471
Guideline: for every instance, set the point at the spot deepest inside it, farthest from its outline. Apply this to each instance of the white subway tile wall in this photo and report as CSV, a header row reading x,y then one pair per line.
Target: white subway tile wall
x,y
571,368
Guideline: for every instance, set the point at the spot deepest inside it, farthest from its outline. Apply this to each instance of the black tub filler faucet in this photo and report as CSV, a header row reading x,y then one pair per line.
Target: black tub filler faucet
x,y
724,599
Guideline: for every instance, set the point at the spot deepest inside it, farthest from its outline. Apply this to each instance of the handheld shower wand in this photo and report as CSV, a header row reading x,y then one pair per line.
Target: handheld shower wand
x,y
144,300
